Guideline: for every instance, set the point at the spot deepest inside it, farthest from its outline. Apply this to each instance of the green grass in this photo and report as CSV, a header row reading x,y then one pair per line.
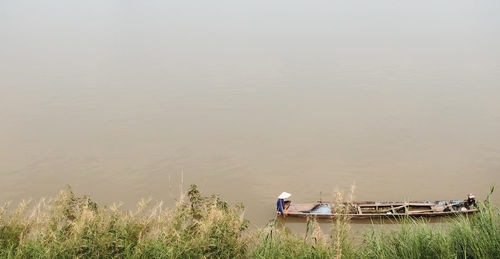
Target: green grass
x,y
476,236
70,226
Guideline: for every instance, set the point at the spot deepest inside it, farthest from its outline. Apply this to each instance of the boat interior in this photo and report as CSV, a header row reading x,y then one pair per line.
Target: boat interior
x,y
360,208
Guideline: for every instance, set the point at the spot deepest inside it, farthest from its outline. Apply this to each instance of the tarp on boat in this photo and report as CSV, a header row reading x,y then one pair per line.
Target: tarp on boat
x,y
322,209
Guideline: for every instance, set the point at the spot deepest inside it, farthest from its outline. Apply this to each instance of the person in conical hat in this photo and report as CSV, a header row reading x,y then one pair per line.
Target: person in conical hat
x,y
280,204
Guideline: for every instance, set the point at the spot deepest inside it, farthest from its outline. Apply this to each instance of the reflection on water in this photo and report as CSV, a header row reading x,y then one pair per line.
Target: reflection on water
x,y
121,98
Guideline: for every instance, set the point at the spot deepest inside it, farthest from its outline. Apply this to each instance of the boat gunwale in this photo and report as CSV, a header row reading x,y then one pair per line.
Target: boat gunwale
x,y
291,211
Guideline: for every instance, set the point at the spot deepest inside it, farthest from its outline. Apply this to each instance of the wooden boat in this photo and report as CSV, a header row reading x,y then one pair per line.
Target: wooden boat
x,y
374,209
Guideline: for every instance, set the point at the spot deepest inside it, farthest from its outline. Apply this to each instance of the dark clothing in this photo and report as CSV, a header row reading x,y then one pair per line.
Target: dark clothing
x,y
280,205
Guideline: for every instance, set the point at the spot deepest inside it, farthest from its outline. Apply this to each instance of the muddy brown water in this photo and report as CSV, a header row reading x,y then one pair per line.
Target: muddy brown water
x,y
129,99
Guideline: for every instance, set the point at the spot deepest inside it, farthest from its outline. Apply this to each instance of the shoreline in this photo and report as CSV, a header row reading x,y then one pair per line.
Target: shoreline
x,y
208,227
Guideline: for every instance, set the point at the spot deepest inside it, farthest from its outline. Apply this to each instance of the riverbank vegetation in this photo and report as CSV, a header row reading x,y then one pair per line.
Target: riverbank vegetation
x,y
71,226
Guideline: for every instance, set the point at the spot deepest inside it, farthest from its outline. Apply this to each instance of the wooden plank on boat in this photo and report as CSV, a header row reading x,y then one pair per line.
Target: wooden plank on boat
x,y
416,204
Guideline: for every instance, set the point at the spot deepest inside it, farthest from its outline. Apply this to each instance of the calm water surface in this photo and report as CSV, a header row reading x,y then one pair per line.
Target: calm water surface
x,y
122,99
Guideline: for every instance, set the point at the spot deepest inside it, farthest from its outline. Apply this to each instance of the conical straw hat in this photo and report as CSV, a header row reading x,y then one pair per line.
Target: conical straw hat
x,y
284,195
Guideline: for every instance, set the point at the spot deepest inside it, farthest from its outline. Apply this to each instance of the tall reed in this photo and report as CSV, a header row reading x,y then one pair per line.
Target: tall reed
x,y
275,242
473,236
198,226
76,227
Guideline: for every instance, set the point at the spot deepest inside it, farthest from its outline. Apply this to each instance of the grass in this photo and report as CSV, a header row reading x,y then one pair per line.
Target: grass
x,y
71,226
475,236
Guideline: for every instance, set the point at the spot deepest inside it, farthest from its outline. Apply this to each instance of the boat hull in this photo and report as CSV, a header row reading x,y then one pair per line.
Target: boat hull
x,y
379,210
377,216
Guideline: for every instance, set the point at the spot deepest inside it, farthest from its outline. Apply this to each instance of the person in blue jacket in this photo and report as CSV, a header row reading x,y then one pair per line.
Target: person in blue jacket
x,y
280,204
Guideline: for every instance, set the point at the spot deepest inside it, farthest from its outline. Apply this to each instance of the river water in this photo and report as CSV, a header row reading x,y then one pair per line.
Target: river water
x,y
126,99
